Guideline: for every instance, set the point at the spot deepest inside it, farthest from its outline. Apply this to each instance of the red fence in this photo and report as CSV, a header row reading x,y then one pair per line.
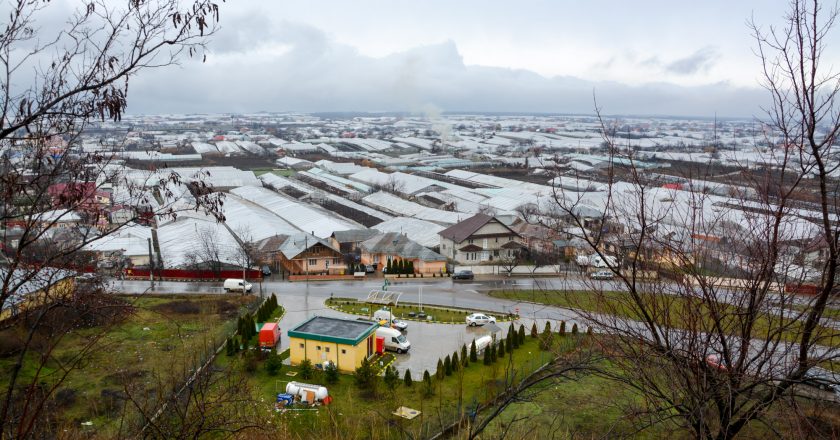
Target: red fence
x,y
185,274
802,289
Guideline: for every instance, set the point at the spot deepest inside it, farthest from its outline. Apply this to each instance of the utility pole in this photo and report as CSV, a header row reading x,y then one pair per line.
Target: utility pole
x,y
305,249
151,265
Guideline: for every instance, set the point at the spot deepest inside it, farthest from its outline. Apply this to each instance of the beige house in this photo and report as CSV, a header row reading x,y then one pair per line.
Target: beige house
x,y
302,254
479,239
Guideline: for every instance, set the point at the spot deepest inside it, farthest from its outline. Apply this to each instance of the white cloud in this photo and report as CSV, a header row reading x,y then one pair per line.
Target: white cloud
x,y
292,66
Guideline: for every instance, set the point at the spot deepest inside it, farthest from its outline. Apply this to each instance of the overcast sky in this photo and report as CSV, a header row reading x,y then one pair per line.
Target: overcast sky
x,y
647,57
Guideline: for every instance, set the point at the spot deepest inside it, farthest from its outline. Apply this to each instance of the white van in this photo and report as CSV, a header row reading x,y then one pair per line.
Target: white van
x,y
237,285
388,317
394,340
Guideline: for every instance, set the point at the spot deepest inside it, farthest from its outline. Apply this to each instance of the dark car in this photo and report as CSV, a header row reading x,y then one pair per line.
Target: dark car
x,y
463,275
266,271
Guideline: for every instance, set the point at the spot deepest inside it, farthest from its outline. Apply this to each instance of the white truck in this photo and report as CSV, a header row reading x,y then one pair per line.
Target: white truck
x,y
394,340
388,317
237,285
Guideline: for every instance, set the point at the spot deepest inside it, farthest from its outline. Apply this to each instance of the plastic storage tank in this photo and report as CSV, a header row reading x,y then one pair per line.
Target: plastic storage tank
x,y
302,389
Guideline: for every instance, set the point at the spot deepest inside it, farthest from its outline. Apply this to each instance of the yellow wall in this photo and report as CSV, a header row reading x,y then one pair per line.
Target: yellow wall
x,y
347,361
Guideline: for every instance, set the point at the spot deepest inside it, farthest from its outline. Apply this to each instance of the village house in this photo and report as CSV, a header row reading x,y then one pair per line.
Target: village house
x,y
479,239
381,248
302,254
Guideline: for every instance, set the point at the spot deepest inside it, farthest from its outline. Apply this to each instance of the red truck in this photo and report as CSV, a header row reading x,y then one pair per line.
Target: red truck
x,y
269,335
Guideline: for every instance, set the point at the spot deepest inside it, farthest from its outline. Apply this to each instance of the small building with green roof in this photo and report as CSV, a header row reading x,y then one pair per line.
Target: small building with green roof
x,y
345,342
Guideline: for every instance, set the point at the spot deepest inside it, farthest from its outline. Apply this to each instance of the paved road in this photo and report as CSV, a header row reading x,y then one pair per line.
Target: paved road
x,y
429,341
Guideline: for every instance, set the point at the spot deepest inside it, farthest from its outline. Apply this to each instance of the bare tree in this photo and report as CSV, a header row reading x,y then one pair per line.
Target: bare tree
x,y
715,348
56,78
208,251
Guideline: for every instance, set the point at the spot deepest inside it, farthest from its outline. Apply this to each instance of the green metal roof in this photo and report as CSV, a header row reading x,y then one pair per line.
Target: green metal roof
x,y
338,330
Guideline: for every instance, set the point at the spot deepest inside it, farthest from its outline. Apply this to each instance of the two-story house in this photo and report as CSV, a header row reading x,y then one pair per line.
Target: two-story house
x,y
480,238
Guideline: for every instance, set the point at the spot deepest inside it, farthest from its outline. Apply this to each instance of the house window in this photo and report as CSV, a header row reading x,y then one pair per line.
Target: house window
x,y
301,345
470,241
318,347
343,351
497,239
336,261
327,349
313,262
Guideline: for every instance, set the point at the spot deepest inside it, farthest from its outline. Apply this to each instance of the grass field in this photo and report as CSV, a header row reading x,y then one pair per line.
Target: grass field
x,y
280,172
438,314
672,310
357,413
156,343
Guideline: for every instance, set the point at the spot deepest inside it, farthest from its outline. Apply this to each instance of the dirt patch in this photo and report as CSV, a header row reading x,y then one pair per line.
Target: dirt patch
x,y
179,307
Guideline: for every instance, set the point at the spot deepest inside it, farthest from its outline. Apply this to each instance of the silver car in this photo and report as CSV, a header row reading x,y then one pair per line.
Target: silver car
x,y
479,319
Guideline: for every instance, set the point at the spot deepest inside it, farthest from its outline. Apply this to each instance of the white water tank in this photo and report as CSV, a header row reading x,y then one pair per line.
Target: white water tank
x,y
482,343
300,389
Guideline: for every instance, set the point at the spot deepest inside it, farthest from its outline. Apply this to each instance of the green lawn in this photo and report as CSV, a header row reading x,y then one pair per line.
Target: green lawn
x,y
156,344
438,314
670,310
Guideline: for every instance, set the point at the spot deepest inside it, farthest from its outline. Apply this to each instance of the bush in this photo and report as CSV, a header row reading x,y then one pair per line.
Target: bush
x,y
534,332
331,373
249,361
574,329
229,350
428,388
473,353
447,366
273,364
501,351
589,331
547,338
456,363
407,378
440,373
562,330
392,378
367,376
305,369
521,334
493,347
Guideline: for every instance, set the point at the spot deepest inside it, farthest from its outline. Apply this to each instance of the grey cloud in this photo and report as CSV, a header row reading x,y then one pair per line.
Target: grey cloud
x,y
699,61
318,74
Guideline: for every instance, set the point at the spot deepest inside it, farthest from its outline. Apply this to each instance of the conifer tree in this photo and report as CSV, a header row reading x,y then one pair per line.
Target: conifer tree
x,y
447,366
464,359
407,378
534,332
440,373
473,353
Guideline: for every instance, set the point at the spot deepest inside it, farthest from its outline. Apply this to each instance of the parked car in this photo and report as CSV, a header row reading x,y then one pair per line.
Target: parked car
x,y
479,319
602,275
463,275
237,285
385,315
266,271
